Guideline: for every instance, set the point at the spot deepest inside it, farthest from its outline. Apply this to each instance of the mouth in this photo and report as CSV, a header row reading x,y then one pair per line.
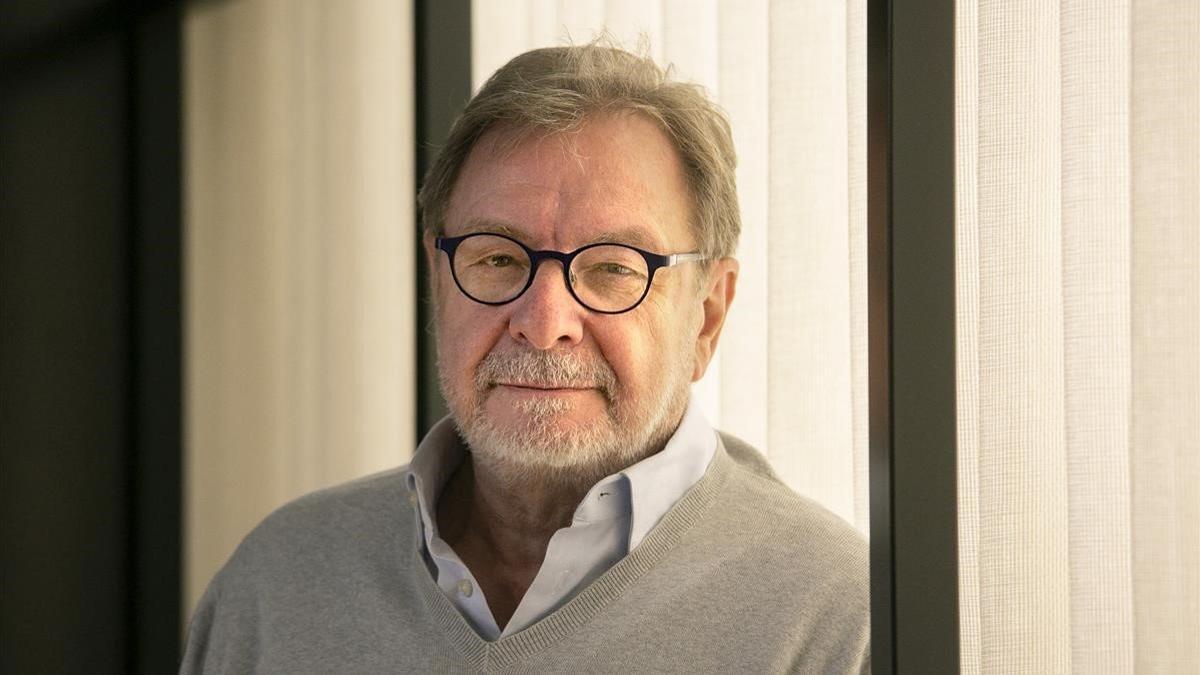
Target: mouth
x,y
538,386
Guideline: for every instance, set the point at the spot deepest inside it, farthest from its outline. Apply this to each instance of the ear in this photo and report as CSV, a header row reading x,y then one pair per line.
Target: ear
x,y
721,285
431,258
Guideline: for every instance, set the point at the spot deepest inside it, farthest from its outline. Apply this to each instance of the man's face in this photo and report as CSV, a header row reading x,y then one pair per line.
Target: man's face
x,y
541,385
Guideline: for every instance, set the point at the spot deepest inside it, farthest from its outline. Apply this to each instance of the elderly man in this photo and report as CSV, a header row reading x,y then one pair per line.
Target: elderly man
x,y
575,512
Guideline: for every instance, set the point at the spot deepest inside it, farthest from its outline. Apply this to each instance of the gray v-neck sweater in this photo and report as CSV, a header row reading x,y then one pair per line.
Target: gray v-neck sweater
x,y
740,576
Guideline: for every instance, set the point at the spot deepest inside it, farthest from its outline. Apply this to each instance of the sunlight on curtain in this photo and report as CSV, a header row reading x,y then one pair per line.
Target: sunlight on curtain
x,y
299,222
790,374
1078,242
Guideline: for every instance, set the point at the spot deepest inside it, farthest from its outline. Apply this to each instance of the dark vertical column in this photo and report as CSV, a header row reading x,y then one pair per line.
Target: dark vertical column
x,y
914,545
64,365
879,332
89,338
155,346
443,83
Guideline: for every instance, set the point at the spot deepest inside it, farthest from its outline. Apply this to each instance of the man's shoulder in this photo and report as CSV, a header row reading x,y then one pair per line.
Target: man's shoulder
x,y
355,519
310,582
787,565
387,489
762,507
362,502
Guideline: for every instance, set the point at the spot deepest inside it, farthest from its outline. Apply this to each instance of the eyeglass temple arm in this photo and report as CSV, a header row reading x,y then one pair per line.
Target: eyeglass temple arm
x,y
676,258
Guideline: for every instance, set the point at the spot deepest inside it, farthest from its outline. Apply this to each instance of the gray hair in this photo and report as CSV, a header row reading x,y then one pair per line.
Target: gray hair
x,y
554,90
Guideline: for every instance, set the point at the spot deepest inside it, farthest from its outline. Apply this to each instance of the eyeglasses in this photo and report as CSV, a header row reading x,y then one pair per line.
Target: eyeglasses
x,y
493,269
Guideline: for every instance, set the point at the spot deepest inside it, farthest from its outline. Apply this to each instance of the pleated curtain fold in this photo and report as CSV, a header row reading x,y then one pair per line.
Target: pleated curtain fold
x,y
1078,257
299,249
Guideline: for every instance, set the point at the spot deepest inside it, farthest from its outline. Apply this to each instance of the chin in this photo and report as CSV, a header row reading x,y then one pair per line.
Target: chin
x,y
575,438
547,443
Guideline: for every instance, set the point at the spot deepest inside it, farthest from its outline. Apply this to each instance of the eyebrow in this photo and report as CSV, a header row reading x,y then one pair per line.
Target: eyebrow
x,y
628,235
480,225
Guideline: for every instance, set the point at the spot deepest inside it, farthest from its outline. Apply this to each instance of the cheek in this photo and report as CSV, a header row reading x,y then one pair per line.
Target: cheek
x,y
635,353
466,332
666,348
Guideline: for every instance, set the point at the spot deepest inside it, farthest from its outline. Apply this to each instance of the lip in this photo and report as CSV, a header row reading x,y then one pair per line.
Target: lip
x,y
540,387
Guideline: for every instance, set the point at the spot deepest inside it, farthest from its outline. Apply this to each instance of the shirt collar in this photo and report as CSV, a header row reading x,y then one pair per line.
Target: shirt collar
x,y
657,482
436,459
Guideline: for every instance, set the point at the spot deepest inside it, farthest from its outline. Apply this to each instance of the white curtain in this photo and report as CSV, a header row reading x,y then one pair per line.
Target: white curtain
x,y
1078,235
299,254
790,374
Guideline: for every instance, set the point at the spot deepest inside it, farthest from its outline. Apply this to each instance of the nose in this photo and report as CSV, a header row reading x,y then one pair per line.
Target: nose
x,y
546,315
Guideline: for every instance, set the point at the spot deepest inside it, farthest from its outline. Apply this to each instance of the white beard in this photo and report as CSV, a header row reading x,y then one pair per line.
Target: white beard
x,y
547,446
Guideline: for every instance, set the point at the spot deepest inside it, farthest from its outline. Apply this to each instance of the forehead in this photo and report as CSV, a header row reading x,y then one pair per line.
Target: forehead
x,y
616,177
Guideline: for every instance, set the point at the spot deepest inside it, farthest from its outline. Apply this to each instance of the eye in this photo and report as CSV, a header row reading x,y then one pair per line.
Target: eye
x,y
499,260
615,269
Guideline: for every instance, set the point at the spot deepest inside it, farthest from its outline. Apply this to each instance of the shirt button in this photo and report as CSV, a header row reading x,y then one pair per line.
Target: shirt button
x,y
465,588
412,498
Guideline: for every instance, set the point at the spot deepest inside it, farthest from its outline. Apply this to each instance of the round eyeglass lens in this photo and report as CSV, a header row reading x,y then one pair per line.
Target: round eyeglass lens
x,y
609,277
491,268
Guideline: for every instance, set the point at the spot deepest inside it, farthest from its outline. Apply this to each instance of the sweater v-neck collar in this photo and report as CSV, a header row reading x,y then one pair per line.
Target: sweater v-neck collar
x,y
507,651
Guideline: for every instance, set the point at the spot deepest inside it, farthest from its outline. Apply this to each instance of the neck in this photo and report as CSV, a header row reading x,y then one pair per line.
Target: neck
x,y
501,529
512,513
499,519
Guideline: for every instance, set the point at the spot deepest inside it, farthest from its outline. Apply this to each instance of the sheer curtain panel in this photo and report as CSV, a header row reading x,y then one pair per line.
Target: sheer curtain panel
x,y
790,375
299,251
1078,236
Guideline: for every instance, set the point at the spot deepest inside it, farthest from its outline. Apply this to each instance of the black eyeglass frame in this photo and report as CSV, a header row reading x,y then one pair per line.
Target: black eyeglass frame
x,y
654,262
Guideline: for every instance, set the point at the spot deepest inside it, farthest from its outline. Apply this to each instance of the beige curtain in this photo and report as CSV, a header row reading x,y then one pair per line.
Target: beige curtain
x,y
299,253
790,374
1078,140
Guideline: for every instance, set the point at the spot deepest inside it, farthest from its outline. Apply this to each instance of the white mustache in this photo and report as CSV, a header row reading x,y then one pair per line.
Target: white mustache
x,y
545,369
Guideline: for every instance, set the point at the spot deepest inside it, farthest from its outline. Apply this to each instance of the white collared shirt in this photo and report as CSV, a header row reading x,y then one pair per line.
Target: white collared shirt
x,y
611,520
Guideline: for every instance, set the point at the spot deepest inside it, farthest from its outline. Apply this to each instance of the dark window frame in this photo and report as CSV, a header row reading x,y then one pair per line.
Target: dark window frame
x,y
913,427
